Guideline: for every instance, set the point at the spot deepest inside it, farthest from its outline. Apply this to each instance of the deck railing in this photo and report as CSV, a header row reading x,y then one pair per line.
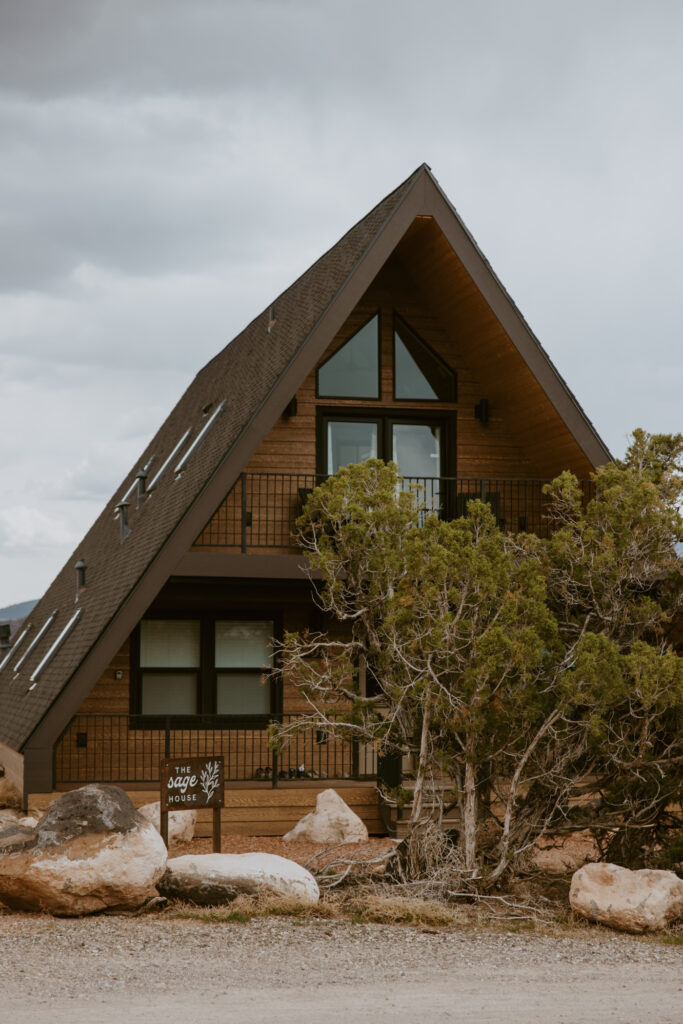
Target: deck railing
x,y
122,749
261,509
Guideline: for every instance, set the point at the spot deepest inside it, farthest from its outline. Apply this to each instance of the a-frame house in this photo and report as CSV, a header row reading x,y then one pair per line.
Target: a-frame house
x,y
398,342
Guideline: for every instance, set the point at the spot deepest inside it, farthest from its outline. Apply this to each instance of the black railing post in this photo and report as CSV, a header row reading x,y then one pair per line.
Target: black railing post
x,y
354,759
243,479
274,768
167,738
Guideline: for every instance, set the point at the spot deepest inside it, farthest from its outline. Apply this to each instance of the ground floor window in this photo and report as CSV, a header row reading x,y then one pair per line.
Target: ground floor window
x,y
204,666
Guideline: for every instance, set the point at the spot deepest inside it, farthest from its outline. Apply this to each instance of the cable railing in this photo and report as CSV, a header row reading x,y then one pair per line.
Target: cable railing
x,y
260,511
124,749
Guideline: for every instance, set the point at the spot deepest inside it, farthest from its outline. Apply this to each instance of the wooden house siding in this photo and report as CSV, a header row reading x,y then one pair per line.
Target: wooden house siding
x,y
492,450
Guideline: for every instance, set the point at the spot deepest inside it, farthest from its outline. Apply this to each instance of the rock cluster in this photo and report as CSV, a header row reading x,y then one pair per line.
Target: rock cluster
x,y
331,822
631,901
214,878
89,852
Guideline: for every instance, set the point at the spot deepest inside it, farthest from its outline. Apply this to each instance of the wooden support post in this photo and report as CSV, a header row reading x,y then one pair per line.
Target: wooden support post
x,y
216,830
163,827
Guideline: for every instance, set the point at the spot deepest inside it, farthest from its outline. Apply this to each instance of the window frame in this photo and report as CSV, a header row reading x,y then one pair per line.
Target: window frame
x,y
386,418
398,321
206,714
355,398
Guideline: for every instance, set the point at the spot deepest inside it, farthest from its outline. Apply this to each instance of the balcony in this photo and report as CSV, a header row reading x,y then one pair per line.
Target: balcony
x,y
260,511
121,749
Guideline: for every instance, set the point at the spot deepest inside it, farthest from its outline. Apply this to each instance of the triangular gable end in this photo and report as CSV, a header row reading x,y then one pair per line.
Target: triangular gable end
x,y
258,373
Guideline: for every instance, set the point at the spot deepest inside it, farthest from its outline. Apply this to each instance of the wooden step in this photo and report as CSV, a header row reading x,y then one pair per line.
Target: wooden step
x,y
263,810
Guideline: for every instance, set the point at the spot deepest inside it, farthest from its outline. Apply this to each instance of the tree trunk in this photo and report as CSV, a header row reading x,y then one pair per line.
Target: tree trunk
x,y
422,764
470,816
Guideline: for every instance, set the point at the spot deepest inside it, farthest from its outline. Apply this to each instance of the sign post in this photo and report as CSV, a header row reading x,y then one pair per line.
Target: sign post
x,y
189,784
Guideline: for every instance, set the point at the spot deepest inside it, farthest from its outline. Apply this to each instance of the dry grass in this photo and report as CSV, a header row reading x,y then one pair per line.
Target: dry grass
x,y
355,907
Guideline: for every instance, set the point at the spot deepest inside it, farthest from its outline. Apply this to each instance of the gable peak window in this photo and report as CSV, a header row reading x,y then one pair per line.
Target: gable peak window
x,y
353,370
419,373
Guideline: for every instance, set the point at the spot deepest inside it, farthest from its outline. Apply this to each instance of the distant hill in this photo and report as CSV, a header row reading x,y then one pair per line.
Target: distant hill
x,y
16,611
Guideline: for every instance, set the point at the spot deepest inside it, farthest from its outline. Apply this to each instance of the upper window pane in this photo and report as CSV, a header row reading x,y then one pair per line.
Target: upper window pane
x,y
244,644
419,373
169,643
410,380
353,371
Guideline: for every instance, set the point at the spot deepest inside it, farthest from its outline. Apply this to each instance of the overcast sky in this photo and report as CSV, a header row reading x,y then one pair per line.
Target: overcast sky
x,y
167,168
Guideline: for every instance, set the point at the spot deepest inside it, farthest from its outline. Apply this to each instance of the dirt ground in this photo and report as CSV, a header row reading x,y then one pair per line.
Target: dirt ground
x,y
302,853
159,970
187,967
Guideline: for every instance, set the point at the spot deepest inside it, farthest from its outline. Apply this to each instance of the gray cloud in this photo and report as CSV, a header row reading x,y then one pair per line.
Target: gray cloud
x,y
168,168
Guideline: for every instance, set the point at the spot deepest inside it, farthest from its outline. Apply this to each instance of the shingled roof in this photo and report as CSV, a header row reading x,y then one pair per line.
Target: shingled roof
x,y
245,388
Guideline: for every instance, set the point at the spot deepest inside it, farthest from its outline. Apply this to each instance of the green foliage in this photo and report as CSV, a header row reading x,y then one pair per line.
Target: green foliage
x,y
519,667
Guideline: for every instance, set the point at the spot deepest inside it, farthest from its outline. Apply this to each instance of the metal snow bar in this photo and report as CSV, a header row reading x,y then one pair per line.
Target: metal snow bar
x,y
56,645
169,460
34,641
13,648
200,436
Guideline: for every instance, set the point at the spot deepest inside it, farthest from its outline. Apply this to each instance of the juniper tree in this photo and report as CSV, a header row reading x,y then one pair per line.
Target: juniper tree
x,y
514,667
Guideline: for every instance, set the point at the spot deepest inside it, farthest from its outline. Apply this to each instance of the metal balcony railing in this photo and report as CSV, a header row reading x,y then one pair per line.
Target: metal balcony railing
x,y
123,749
260,511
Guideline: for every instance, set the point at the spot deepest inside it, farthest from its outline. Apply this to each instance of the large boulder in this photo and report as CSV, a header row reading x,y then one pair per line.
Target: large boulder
x,y
89,852
331,822
180,823
214,878
631,901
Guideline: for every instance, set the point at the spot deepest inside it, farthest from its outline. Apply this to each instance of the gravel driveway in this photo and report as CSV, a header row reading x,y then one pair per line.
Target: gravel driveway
x,y
156,969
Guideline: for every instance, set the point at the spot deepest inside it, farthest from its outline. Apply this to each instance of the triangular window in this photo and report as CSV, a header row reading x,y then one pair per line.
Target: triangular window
x,y
353,370
419,373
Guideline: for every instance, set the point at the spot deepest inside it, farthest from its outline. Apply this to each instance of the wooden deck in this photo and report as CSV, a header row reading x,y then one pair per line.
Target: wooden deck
x,y
260,810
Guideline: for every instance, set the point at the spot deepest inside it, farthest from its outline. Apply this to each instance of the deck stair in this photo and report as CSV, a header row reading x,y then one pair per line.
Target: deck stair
x,y
395,813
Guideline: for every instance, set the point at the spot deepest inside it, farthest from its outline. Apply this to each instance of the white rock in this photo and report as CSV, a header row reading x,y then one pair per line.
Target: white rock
x,y
631,901
214,878
563,853
29,822
331,822
90,851
180,823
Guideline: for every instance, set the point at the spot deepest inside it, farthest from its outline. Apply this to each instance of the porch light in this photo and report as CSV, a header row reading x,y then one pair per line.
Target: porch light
x,y
481,411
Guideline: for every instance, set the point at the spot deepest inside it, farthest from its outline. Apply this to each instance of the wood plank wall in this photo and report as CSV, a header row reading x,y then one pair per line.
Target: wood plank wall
x,y
114,752
259,812
493,450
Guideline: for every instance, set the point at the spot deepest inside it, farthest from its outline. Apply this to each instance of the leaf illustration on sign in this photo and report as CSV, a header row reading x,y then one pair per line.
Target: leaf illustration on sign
x,y
209,779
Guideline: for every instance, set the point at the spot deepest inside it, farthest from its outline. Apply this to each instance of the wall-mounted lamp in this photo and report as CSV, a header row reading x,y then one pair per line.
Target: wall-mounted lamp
x,y
290,409
481,411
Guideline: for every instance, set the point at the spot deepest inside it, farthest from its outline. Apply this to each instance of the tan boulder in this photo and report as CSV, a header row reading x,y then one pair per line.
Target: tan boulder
x,y
331,822
630,901
214,878
89,852
181,824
